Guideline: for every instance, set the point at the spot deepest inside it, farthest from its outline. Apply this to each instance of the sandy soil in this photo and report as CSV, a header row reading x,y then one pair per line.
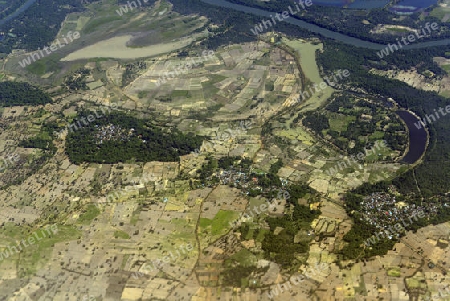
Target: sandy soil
x,y
116,48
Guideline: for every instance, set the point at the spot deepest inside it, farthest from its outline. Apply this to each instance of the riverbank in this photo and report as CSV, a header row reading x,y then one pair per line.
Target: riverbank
x,y
320,30
18,11
418,138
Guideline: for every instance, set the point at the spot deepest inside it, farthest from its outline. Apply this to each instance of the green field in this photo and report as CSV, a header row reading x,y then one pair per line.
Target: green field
x,y
91,212
340,122
35,254
219,225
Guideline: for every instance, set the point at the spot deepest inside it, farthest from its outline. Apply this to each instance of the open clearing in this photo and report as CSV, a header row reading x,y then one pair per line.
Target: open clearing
x,y
116,48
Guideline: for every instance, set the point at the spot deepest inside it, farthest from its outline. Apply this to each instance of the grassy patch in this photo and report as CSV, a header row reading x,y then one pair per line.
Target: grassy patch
x,y
121,235
245,258
93,25
339,122
135,217
41,250
439,12
180,93
220,223
394,272
44,65
377,135
124,261
446,68
205,222
260,236
91,212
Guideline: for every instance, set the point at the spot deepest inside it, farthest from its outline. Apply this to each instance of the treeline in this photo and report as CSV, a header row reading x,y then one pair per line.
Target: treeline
x,y
432,174
38,25
234,25
350,21
281,248
8,7
77,80
21,93
235,28
138,140
361,231
360,130
132,71
43,140
317,122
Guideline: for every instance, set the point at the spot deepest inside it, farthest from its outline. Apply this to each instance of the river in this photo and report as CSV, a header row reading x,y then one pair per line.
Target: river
x,y
417,137
322,31
20,10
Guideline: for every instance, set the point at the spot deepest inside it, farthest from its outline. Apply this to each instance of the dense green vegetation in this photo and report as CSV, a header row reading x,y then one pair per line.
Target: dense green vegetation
x,y
281,247
77,80
361,230
118,138
433,173
21,93
43,140
38,25
275,167
7,7
350,21
132,72
232,25
317,122
358,119
38,142
235,274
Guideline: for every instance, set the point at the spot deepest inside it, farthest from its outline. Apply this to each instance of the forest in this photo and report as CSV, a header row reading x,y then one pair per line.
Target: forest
x,y
38,25
118,137
361,230
7,7
43,140
21,93
371,121
281,248
433,173
232,25
350,21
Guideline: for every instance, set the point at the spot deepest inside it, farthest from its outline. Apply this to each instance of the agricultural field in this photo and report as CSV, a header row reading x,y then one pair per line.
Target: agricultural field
x,y
258,201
